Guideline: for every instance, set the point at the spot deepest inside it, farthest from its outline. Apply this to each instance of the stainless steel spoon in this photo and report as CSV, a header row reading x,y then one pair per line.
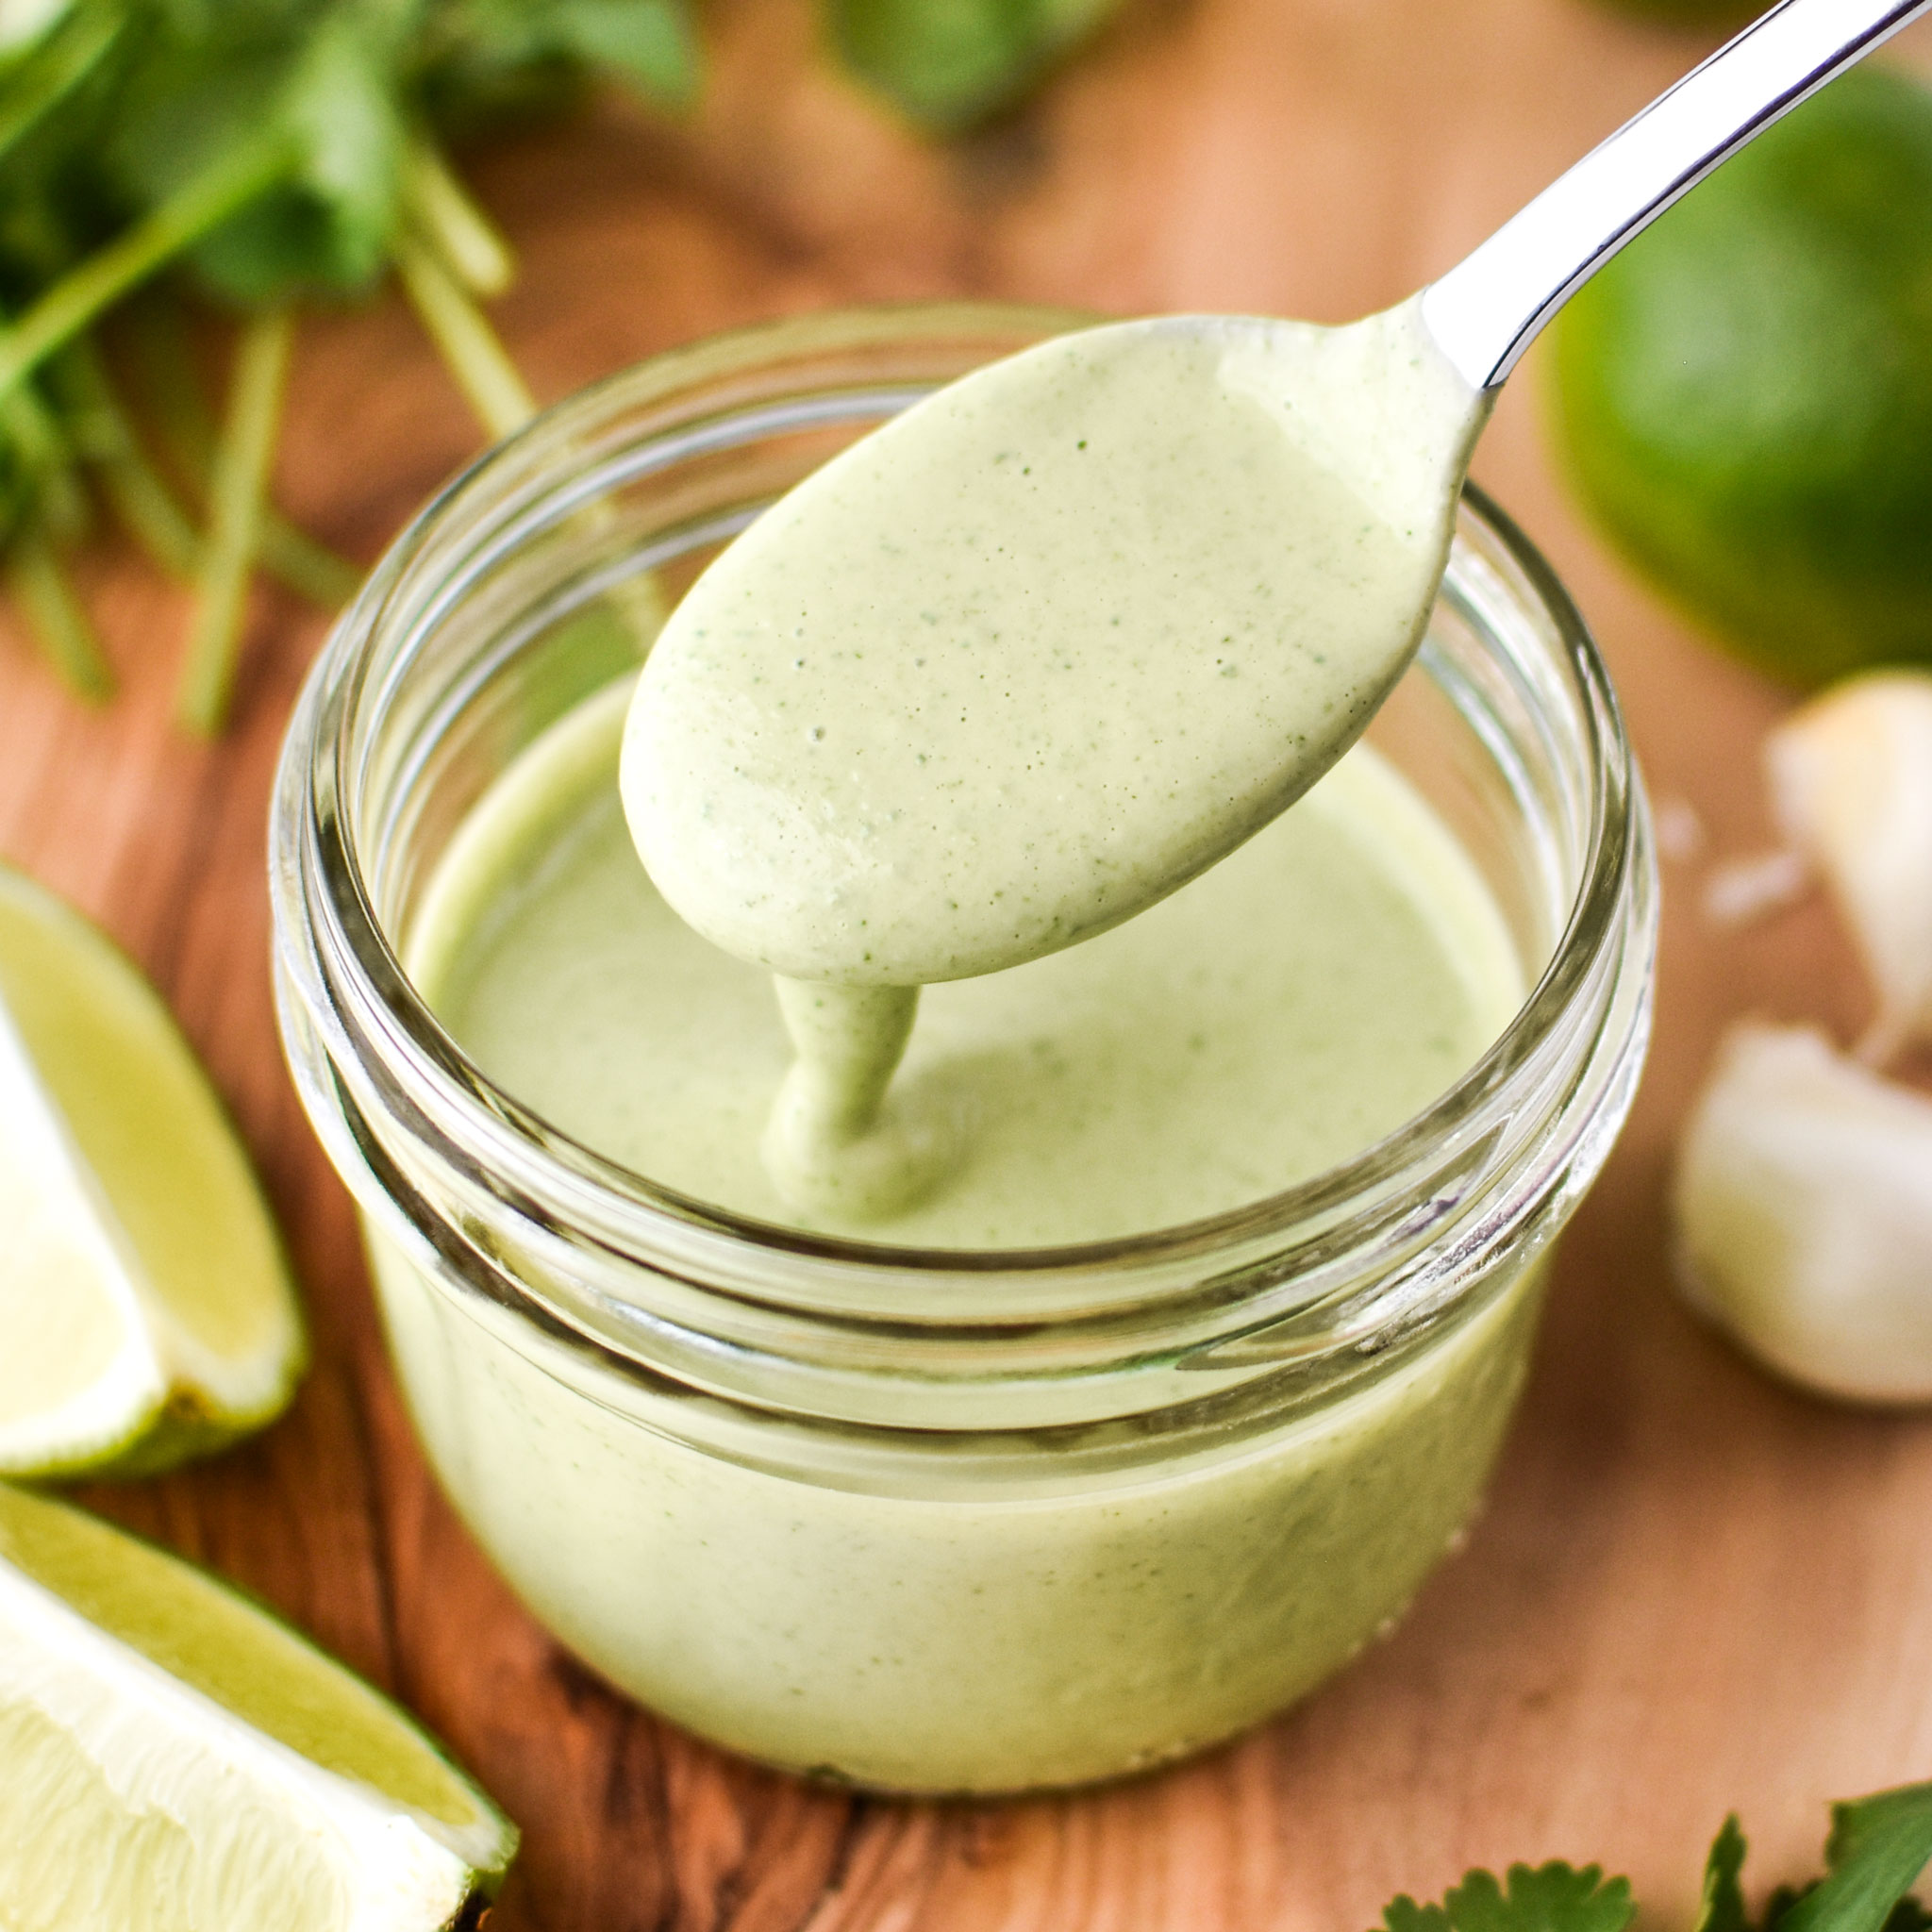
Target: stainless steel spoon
x,y
975,691
1488,308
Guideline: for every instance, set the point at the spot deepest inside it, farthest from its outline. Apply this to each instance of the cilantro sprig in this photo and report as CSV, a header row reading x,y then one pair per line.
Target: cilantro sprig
x,y
949,64
264,154
1878,1847
1543,1898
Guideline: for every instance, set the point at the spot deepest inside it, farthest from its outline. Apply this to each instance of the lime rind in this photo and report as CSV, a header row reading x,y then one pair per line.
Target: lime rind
x,y
168,1229
138,1769
151,1743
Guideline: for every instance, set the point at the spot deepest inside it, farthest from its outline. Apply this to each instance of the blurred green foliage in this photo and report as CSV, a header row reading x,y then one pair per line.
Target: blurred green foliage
x,y
949,64
284,150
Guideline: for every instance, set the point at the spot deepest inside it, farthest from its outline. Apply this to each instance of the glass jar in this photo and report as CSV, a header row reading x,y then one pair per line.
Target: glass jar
x,y
929,1520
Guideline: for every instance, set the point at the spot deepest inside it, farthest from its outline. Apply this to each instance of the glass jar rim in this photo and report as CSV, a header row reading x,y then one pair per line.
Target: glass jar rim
x,y
349,968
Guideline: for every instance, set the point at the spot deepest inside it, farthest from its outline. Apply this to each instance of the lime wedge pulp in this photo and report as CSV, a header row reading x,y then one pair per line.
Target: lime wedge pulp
x,y
175,1759
145,1309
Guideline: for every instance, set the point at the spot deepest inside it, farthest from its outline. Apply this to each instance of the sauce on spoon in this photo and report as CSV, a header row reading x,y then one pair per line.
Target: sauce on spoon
x,y
1023,662
1046,645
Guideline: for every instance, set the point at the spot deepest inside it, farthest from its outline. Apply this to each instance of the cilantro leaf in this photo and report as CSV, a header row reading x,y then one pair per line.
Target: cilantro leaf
x,y
1721,1908
648,44
1877,1848
949,64
647,41
1543,1898
322,89
1908,1915
1549,1898
1401,1914
341,107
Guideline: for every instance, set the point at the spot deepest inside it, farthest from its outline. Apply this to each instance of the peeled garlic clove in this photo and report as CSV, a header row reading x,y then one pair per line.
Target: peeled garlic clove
x,y
1803,1199
1851,784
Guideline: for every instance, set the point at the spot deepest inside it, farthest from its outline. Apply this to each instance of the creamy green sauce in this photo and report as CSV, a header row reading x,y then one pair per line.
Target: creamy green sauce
x,y
869,758
1047,645
930,1624
927,1620
1273,1018
1026,659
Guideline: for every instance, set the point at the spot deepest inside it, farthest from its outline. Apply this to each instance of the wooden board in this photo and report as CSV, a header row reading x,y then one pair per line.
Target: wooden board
x,y
1691,1590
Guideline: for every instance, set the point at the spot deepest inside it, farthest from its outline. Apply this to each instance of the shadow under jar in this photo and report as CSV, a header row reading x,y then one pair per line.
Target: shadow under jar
x,y
934,1519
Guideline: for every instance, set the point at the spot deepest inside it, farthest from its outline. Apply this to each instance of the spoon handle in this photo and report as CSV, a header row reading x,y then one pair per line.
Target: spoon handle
x,y
1493,303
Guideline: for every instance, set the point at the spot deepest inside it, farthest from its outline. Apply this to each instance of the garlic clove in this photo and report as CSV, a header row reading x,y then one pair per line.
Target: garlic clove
x,y
1748,889
1851,785
1802,1202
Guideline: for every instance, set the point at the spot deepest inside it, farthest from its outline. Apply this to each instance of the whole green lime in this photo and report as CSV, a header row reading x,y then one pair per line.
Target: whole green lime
x,y
1743,398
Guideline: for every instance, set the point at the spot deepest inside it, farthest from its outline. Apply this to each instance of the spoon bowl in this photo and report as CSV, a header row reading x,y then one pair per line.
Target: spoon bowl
x,y
1041,649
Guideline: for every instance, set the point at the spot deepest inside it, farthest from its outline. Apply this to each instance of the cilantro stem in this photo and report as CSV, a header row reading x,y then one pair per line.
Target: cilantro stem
x,y
240,478
305,565
172,393
311,568
170,385
60,620
108,273
470,347
482,368
68,59
42,448
135,490
450,222
145,510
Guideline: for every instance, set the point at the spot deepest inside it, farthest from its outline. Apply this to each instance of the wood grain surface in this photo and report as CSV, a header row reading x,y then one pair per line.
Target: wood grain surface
x,y
1691,1590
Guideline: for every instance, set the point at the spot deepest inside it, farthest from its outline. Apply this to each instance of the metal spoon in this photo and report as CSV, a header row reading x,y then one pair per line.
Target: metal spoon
x,y
974,692
1488,308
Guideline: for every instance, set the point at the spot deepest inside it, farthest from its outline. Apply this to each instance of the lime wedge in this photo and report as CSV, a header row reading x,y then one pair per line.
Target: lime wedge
x,y
175,1759
146,1313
